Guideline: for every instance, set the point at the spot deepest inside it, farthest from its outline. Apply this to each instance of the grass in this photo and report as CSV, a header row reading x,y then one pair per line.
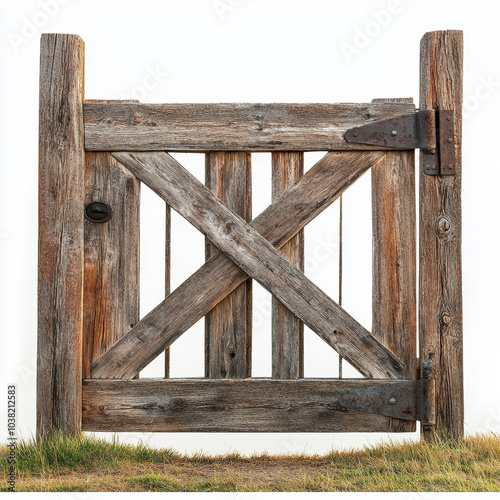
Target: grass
x,y
86,463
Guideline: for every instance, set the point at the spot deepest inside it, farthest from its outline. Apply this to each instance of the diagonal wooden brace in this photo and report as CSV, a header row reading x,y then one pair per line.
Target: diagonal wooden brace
x,y
198,205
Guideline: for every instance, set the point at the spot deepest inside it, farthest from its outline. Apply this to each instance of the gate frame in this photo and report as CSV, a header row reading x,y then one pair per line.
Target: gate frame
x,y
61,237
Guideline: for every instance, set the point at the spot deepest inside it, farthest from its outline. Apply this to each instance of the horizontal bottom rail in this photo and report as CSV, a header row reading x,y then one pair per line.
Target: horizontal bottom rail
x,y
248,405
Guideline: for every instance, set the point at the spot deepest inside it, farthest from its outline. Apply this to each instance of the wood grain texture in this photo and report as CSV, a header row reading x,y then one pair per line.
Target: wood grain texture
x,y
227,405
287,215
229,127
168,273
287,330
394,288
60,230
111,277
262,261
440,306
228,326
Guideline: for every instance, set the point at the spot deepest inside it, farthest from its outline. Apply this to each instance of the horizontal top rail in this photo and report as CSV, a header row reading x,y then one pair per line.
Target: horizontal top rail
x,y
129,126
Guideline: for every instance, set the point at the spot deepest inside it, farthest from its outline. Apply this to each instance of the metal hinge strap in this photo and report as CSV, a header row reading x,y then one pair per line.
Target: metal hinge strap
x,y
406,400
431,131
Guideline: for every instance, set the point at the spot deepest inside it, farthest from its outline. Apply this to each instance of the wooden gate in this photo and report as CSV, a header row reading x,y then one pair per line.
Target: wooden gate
x,y
91,343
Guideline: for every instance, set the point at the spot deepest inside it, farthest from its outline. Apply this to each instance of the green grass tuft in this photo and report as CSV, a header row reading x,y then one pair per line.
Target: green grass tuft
x,y
86,463
59,453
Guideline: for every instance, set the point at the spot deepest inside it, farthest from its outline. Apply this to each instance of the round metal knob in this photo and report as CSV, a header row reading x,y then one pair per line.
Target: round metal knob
x,y
98,211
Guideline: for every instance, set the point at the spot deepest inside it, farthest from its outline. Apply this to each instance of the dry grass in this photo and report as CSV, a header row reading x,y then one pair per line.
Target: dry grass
x,y
86,463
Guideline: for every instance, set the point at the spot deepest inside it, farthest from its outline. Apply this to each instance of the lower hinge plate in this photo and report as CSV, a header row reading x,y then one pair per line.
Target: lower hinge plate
x,y
405,400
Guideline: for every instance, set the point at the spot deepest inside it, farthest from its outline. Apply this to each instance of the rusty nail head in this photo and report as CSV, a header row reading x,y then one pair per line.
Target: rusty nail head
x,y
433,167
448,118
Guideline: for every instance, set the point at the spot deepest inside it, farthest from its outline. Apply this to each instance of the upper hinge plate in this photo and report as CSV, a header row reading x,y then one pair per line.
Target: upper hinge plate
x,y
431,131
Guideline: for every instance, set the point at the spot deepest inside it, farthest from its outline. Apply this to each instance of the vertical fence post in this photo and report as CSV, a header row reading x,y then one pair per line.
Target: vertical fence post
x,y
440,307
228,326
394,259
61,235
287,329
111,270
168,263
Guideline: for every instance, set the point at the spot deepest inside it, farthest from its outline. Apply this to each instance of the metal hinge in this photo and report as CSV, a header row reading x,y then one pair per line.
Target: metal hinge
x,y
406,400
431,131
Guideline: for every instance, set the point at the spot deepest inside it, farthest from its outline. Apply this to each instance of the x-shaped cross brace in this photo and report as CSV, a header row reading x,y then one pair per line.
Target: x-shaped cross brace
x,y
249,249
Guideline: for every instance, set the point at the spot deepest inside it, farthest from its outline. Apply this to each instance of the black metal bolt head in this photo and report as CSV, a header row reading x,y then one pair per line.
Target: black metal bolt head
x,y
98,211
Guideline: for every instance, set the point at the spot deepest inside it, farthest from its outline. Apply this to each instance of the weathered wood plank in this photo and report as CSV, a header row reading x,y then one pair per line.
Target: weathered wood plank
x,y
204,405
287,215
229,127
440,302
60,229
394,261
228,326
287,330
168,263
111,275
262,261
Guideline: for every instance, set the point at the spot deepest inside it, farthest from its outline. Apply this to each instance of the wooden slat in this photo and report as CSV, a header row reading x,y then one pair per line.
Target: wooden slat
x,y
287,215
60,246
287,330
204,405
168,263
440,308
229,127
394,261
111,276
262,261
228,326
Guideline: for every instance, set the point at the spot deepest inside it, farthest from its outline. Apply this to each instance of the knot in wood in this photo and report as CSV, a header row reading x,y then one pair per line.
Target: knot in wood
x,y
444,225
446,318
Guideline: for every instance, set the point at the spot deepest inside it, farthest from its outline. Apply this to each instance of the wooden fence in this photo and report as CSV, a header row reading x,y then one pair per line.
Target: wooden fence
x,y
92,343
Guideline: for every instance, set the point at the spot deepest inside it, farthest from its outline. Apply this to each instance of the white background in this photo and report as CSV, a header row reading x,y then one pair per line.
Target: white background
x,y
253,51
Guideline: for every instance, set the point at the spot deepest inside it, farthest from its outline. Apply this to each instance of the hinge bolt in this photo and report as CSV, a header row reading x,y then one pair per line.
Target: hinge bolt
x,y
450,140
392,401
394,133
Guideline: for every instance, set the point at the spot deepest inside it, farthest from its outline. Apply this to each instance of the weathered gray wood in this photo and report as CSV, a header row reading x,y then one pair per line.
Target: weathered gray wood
x,y
111,274
229,127
228,326
168,263
395,259
287,215
262,261
204,405
60,244
440,298
287,329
